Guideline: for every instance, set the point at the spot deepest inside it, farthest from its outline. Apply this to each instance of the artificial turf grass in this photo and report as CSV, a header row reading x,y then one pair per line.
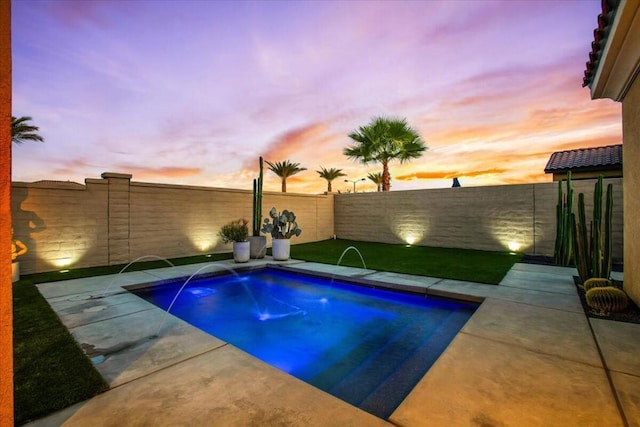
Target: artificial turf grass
x,y
51,372
459,264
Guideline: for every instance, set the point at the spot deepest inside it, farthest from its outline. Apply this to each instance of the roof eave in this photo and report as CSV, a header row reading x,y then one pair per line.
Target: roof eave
x,y
599,168
619,64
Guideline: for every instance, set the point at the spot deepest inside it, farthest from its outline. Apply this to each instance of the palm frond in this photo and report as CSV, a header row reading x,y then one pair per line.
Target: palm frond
x,y
22,131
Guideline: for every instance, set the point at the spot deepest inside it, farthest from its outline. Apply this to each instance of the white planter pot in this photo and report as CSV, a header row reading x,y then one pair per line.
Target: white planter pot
x,y
258,246
15,271
241,251
281,249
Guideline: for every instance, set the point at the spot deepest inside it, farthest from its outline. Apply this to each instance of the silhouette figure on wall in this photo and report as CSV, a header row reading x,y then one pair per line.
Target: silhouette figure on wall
x,y
27,224
456,183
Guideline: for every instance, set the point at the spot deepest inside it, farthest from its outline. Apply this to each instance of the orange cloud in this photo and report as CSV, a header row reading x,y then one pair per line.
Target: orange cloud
x,y
160,172
294,141
448,174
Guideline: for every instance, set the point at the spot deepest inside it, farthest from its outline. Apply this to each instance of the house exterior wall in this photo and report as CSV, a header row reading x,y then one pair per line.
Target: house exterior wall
x,y
617,173
631,151
6,302
486,218
113,221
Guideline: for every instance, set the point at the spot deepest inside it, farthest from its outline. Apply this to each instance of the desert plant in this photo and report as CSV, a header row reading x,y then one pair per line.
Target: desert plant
x,y
609,299
565,224
383,140
22,131
257,203
330,175
376,178
283,225
284,170
596,282
235,231
593,243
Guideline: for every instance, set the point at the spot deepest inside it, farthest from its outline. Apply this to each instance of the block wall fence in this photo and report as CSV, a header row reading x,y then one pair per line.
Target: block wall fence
x,y
113,220
486,218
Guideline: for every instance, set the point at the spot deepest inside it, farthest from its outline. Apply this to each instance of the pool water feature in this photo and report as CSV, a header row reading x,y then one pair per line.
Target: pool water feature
x,y
368,347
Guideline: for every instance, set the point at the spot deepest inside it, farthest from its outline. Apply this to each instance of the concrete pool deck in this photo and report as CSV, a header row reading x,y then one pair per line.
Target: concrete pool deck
x,y
528,356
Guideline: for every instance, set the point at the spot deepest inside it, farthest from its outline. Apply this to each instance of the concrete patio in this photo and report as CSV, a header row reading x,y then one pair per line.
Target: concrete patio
x,y
528,356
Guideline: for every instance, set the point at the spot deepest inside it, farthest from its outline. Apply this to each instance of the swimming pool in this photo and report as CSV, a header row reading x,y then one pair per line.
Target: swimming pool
x,y
368,347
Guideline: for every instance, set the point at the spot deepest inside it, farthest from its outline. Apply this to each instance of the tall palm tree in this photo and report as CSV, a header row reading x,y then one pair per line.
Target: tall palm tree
x,y
376,178
284,170
330,175
21,131
383,140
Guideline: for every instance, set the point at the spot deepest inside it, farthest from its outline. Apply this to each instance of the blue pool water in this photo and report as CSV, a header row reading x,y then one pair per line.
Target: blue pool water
x,y
368,347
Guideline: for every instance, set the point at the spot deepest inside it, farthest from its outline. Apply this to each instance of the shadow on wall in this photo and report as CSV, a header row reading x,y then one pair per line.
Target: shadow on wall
x,y
25,225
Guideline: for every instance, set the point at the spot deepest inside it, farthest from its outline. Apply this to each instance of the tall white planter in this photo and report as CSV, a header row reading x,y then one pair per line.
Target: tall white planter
x,y
258,246
281,249
15,271
241,251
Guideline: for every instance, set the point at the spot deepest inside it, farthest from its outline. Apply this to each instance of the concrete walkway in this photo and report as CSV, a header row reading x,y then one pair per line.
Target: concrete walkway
x,y
528,356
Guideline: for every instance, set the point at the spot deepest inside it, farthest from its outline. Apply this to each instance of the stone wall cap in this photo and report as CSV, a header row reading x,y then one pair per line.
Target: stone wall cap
x,y
106,175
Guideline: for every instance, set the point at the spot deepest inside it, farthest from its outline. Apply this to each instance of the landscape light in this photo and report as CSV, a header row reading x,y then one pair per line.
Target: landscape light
x,y
514,246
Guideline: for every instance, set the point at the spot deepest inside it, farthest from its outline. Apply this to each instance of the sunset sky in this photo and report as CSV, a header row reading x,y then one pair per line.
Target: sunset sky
x,y
193,92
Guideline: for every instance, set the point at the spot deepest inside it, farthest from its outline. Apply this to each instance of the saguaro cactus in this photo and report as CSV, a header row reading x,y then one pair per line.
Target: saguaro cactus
x,y
593,244
257,203
565,225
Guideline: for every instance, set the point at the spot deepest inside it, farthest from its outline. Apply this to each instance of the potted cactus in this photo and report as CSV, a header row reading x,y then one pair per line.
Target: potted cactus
x,y
237,232
282,227
257,243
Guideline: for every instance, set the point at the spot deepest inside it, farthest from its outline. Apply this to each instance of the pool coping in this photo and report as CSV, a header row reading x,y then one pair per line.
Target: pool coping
x,y
518,293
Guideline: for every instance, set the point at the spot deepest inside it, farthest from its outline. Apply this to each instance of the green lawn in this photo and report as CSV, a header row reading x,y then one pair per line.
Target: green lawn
x,y
52,372
460,264
53,276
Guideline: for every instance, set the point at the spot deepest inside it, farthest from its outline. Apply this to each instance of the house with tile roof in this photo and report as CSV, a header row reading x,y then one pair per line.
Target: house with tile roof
x,y
612,72
586,163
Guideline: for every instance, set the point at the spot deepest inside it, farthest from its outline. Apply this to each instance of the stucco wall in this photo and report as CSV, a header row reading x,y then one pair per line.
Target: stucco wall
x,y
486,218
631,153
113,220
6,304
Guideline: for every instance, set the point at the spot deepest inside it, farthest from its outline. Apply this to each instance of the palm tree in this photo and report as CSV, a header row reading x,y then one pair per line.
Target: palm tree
x,y
330,175
21,131
284,170
376,178
384,140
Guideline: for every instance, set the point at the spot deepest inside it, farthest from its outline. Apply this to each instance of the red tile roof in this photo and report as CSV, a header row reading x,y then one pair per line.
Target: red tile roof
x,y
586,159
600,34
